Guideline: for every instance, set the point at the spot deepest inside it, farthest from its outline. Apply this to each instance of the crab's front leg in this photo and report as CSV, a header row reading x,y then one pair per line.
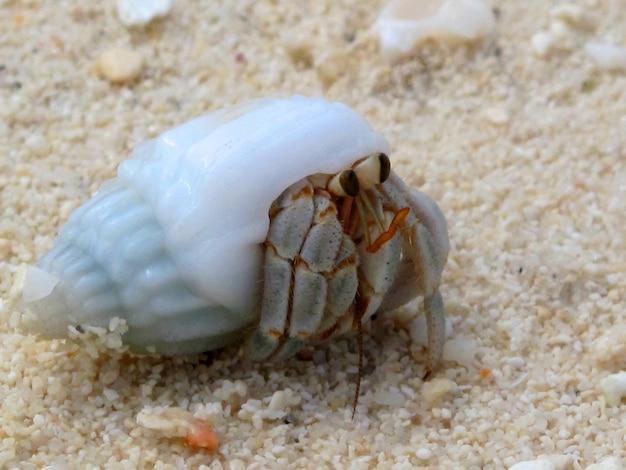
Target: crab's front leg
x,y
310,276
423,254
425,250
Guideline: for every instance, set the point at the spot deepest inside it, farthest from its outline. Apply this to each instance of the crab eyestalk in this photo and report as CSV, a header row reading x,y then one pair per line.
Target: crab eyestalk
x,y
353,183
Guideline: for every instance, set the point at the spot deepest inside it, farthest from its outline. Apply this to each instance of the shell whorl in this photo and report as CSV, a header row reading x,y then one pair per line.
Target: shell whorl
x,y
111,260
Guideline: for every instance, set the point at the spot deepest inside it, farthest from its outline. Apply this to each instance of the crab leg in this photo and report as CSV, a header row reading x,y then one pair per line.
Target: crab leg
x,y
342,288
310,274
424,258
436,329
291,215
377,269
427,260
316,258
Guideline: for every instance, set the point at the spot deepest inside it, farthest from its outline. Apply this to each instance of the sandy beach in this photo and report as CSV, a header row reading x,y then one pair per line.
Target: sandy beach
x,y
523,149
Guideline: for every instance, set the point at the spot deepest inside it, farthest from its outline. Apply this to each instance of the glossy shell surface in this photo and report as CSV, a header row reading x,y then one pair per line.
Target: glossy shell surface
x,y
173,244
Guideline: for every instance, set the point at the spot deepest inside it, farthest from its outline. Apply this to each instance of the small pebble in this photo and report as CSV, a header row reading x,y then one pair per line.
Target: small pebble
x,y
423,454
543,43
279,401
614,388
110,394
237,464
559,29
434,390
460,349
109,374
37,144
120,65
606,56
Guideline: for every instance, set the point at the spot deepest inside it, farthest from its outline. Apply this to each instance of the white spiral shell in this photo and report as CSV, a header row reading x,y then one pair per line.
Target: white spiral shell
x,y
173,244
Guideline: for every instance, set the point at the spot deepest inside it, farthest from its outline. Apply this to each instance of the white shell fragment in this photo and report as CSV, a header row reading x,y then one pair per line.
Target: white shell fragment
x,y
178,422
172,422
142,12
173,244
539,464
548,462
404,24
614,388
606,56
608,463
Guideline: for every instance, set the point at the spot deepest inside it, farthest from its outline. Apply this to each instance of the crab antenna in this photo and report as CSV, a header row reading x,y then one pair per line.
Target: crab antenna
x,y
359,340
370,208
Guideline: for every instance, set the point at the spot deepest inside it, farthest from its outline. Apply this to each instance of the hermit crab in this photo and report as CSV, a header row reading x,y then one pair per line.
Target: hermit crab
x,y
275,219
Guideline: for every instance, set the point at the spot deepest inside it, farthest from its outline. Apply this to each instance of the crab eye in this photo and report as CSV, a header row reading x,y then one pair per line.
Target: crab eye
x,y
373,170
344,184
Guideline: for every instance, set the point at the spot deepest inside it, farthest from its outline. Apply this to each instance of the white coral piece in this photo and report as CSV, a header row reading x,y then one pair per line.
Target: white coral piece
x,y
142,12
404,24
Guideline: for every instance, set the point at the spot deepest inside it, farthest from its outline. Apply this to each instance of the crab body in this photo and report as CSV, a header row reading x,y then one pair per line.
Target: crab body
x,y
236,222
